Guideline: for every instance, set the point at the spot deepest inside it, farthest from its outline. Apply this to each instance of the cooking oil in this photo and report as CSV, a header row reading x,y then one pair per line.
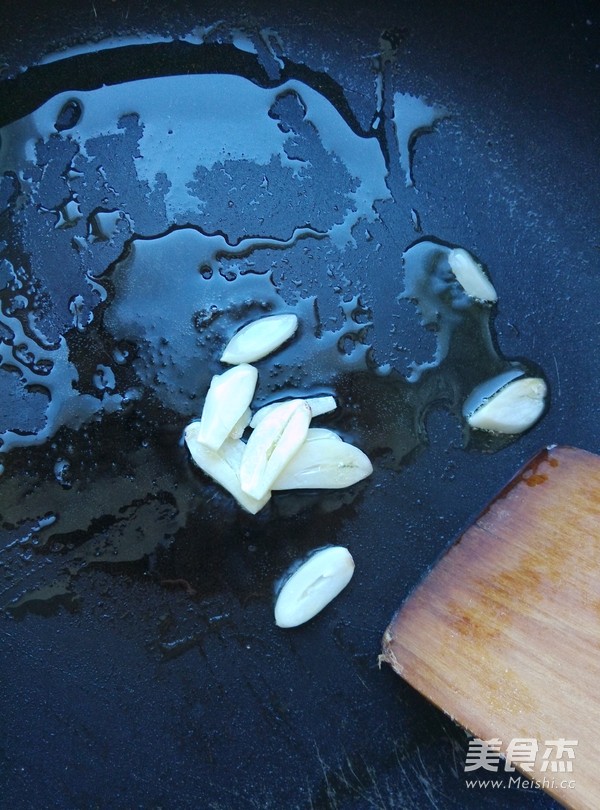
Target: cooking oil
x,y
144,221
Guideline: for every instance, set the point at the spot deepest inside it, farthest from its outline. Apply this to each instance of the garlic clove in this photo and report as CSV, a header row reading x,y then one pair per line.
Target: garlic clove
x,y
471,276
313,585
259,338
222,466
272,444
513,408
227,399
324,461
318,406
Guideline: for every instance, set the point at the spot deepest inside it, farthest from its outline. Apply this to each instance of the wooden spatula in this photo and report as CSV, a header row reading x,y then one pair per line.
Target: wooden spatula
x,y
504,633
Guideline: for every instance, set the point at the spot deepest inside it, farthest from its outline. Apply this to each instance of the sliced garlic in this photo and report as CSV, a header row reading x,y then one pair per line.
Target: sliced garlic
x,y
223,466
313,585
513,408
271,446
318,406
471,275
227,399
324,461
259,338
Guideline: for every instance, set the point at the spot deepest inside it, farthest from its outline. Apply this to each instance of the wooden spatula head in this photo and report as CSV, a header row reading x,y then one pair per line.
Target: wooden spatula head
x,y
504,633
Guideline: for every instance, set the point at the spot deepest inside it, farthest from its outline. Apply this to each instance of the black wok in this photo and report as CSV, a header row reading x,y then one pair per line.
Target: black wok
x,y
141,666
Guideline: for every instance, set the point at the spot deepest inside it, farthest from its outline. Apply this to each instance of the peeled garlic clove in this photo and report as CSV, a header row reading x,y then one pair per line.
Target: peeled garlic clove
x,y
313,585
318,406
272,445
324,461
471,276
227,399
222,466
259,338
513,408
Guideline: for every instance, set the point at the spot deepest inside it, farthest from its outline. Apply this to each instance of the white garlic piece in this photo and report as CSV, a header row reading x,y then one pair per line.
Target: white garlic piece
x,y
313,585
471,276
513,408
223,466
227,399
259,338
318,405
271,446
324,461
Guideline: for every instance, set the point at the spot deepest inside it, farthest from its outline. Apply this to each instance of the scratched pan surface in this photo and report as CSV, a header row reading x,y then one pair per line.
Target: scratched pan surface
x,y
141,666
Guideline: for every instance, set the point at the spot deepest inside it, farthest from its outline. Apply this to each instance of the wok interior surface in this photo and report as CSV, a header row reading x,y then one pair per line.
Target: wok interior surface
x,y
142,666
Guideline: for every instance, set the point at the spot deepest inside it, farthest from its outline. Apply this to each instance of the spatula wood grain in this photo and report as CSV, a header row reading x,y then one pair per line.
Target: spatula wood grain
x,y
504,633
